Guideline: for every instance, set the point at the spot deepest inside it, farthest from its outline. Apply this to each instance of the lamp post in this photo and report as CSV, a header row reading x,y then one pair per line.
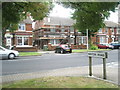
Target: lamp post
x,y
87,38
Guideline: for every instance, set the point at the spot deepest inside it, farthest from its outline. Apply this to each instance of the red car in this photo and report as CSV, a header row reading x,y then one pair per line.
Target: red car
x,y
105,46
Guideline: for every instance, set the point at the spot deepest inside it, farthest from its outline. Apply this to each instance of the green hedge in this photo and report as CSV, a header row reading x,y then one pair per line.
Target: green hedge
x,y
93,47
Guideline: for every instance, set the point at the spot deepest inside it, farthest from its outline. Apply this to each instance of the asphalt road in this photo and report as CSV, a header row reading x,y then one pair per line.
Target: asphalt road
x,y
52,61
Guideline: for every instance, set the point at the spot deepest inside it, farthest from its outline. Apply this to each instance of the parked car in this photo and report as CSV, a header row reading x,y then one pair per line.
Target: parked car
x,y
105,46
116,45
63,48
7,53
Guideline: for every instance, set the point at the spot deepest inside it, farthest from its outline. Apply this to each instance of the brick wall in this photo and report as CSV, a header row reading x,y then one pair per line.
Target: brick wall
x,y
26,49
51,48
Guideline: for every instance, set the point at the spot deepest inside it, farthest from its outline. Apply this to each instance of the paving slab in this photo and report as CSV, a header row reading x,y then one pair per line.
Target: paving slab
x,y
112,74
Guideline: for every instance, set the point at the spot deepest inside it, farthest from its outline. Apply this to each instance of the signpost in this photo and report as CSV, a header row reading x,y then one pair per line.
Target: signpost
x,y
102,55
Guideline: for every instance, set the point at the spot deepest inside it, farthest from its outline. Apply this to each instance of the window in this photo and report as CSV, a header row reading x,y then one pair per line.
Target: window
x,y
19,40
71,29
21,27
54,41
106,30
112,30
102,40
62,29
25,40
100,30
83,40
52,30
22,41
117,30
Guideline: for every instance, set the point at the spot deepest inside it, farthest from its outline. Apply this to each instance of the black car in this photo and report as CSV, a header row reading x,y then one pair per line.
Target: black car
x,y
115,45
63,48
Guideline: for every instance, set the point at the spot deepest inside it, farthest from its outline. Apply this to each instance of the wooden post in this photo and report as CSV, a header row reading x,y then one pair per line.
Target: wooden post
x,y
104,68
90,66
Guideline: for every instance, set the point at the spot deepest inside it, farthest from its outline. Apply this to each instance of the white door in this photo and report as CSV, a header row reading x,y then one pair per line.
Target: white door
x,y
8,42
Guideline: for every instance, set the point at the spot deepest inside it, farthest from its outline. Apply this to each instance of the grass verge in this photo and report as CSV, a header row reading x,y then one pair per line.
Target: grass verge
x,y
85,50
29,53
61,82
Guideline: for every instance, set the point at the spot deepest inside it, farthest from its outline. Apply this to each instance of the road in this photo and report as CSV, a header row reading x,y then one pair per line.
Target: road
x,y
52,61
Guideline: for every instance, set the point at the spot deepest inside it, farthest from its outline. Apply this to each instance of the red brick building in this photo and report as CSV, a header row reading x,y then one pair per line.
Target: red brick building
x,y
22,38
107,34
55,30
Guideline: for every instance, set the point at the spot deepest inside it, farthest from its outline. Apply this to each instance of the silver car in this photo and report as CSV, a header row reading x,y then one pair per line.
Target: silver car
x,y
8,54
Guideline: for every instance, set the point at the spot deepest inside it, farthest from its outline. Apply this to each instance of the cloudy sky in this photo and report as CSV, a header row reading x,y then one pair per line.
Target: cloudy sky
x,y
60,11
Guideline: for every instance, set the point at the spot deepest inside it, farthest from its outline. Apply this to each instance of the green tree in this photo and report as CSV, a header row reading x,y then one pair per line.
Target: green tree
x,y
13,12
90,15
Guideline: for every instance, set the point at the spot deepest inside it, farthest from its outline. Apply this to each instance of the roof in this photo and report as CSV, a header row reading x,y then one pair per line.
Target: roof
x,y
58,21
110,24
28,20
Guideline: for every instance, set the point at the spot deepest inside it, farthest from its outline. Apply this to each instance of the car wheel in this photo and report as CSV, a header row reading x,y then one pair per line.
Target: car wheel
x,y
70,50
55,51
62,51
11,56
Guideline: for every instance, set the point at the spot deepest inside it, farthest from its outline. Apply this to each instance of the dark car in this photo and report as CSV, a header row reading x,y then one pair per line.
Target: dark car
x,y
116,45
63,48
105,46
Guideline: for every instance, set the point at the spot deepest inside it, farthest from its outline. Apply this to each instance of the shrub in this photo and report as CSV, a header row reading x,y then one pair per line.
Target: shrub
x,y
93,47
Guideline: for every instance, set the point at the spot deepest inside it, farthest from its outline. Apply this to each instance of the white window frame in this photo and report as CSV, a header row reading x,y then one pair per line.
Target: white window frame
x,y
82,40
21,25
23,39
102,39
54,41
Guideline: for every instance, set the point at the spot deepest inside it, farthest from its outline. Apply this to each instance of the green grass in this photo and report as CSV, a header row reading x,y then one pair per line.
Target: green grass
x,y
61,82
85,50
29,53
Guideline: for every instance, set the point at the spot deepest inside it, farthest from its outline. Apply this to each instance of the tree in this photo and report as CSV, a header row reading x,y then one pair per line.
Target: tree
x,y
13,12
90,15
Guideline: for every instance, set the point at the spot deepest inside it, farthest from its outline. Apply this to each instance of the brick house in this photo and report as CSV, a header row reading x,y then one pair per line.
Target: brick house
x,y
52,31
107,34
22,38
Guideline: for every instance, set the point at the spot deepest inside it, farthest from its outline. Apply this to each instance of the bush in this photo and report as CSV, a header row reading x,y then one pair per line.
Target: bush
x,y
93,47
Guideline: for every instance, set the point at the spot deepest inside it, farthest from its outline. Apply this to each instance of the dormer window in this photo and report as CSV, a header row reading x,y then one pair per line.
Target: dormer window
x,y
21,27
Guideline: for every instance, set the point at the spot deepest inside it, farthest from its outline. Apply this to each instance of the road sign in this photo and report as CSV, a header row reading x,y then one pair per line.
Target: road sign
x,y
97,54
102,55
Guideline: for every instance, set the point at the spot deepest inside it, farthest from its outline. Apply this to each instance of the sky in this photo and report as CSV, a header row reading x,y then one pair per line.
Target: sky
x,y
60,11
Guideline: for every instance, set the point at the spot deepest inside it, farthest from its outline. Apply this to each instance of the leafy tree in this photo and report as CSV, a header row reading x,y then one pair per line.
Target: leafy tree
x,y
13,12
90,15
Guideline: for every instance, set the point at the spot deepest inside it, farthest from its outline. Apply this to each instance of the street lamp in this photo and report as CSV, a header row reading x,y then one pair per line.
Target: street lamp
x,y
87,38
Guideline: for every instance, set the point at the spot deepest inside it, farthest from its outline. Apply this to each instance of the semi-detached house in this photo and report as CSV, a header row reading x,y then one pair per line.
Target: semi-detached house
x,y
52,31
108,34
22,38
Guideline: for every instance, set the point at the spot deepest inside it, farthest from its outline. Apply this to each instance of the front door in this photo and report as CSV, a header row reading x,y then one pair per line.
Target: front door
x,y
8,41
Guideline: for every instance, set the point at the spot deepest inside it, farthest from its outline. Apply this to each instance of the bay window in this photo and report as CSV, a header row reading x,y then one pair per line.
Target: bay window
x,y
22,41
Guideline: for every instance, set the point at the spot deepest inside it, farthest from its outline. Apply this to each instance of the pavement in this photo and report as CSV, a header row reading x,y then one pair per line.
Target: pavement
x,y
112,74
